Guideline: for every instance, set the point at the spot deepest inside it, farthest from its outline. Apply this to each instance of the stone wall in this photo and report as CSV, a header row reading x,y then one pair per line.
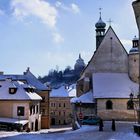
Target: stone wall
x,y
109,57
60,110
134,67
119,111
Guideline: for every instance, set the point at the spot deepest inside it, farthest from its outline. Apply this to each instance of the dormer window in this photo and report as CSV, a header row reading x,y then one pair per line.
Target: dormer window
x,y
12,90
27,89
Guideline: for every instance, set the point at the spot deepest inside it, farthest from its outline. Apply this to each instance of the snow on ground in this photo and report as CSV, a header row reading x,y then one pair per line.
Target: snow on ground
x,y
123,131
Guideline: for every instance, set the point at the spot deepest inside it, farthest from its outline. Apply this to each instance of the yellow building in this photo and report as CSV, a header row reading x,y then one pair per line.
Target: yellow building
x,y
60,106
42,90
19,106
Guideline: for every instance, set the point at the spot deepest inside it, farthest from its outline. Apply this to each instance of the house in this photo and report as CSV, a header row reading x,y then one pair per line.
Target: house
x,y
42,90
109,78
60,106
19,106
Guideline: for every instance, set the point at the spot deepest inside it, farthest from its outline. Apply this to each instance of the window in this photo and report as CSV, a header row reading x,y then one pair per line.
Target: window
x,y
20,111
43,99
12,90
109,105
59,113
130,105
30,110
33,109
64,105
51,104
43,111
59,104
37,109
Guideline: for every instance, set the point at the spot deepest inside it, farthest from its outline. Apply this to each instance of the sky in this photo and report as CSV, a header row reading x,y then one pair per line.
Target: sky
x,y
50,34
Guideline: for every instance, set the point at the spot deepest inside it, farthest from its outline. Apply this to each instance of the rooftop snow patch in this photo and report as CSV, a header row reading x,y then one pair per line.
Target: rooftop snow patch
x,y
113,85
64,91
20,94
85,98
14,120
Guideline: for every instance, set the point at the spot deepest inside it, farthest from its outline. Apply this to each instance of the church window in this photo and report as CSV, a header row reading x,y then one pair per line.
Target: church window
x,y
109,105
130,105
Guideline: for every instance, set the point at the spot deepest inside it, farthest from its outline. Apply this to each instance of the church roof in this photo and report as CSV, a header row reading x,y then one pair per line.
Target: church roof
x,y
113,85
85,98
106,43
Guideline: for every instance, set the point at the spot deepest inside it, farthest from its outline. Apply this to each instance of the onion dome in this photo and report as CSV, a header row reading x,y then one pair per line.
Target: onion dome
x,y
100,23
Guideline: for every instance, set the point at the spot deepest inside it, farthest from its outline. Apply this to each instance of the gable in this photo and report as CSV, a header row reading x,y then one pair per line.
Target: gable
x,y
110,56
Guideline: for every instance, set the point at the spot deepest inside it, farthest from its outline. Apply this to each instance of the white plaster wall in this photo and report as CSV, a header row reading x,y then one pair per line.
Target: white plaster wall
x,y
26,113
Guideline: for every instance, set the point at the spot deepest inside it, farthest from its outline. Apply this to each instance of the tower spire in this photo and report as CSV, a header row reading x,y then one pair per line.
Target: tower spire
x,y
100,29
100,12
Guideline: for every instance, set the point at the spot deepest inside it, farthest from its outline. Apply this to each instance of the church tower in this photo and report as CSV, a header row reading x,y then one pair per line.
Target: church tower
x,y
100,31
134,60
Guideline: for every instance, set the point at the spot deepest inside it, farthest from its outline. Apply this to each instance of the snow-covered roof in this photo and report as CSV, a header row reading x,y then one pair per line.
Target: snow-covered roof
x,y
14,120
28,77
64,91
85,98
113,85
20,94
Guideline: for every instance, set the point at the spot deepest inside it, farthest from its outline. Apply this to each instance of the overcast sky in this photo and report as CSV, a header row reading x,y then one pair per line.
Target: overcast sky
x,y
43,34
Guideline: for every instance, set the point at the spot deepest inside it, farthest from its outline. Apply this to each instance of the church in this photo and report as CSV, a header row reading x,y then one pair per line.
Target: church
x,y
111,75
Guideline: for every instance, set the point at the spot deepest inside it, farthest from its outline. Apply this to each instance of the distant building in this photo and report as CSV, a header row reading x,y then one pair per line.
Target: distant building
x,y
109,78
42,90
19,106
79,65
60,106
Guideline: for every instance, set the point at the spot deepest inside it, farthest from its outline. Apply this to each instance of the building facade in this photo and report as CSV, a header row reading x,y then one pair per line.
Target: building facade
x,y
29,79
19,106
110,77
60,106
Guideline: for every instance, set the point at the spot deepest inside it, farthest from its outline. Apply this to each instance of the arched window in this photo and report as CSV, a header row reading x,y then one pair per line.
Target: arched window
x,y
130,104
109,105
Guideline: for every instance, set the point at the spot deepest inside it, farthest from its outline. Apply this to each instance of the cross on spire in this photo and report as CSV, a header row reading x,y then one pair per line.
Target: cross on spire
x,y
110,21
100,9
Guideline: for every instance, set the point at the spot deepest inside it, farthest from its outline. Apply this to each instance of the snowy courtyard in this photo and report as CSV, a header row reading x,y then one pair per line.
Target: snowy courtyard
x,y
124,131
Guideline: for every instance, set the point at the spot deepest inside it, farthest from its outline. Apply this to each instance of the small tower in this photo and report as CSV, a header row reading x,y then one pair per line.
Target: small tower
x,y
134,60
100,31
